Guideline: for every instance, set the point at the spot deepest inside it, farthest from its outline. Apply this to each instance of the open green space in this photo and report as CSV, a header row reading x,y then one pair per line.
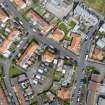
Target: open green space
x,y
57,76
14,71
63,27
72,24
97,5
38,8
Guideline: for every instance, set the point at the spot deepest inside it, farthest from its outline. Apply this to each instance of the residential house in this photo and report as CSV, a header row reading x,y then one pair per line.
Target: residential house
x,y
97,54
4,47
27,54
20,94
21,4
38,20
23,90
3,98
48,56
57,35
75,43
64,93
97,78
93,88
3,15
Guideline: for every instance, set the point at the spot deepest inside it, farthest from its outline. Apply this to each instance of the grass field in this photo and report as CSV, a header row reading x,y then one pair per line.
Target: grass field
x,y
14,71
97,5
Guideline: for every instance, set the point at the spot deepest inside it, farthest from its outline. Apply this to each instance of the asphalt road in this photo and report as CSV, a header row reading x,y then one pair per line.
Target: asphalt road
x,y
85,46
28,27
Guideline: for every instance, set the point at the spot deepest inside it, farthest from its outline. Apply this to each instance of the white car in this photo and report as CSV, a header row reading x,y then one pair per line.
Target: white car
x,y
38,76
40,71
35,81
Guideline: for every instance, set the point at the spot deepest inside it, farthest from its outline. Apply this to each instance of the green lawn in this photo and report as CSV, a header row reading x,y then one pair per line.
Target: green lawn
x,y
72,24
63,27
57,76
38,8
14,71
68,62
98,5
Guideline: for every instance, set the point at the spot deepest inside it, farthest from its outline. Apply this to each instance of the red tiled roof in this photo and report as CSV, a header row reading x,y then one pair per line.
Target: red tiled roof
x,y
29,51
4,46
3,98
57,35
19,94
64,93
48,56
75,44
37,18
3,15
20,3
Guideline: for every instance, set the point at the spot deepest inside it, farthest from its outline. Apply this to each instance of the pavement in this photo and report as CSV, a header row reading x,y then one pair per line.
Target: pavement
x,y
85,46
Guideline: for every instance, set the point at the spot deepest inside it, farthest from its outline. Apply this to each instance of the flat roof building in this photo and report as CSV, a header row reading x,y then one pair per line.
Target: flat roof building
x,y
20,94
59,8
